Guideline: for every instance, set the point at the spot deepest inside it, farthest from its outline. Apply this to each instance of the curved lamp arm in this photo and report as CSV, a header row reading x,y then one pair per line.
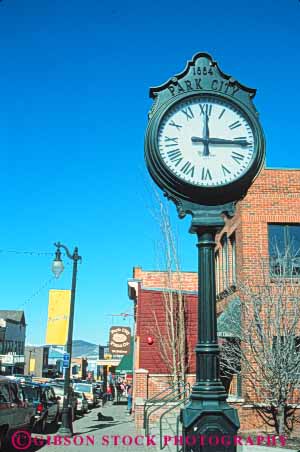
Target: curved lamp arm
x,y
74,257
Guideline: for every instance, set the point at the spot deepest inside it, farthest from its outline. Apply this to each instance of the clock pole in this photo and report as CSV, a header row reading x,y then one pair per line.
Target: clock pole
x,y
209,423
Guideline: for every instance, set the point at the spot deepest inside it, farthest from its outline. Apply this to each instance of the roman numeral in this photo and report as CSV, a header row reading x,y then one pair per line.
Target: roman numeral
x,y
188,112
237,157
205,109
172,123
206,174
175,156
174,153
222,113
225,170
188,169
171,141
234,125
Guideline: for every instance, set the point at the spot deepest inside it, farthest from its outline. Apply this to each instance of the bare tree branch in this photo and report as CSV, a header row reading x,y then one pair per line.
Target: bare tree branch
x,y
267,351
171,331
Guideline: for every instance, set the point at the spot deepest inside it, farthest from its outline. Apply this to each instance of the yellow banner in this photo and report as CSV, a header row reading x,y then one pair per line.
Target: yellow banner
x,y
32,365
58,317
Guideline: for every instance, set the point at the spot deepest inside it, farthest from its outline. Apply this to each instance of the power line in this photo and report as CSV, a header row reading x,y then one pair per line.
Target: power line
x,y
30,253
40,289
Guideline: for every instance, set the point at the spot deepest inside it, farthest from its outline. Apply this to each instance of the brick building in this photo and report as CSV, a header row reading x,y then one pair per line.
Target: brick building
x,y
36,360
147,289
12,342
270,212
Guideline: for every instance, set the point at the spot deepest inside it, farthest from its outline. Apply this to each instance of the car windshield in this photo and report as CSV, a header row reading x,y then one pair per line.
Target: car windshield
x,y
31,393
81,387
59,390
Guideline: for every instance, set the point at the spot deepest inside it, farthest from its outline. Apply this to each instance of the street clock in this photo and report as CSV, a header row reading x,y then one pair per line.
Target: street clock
x,y
204,143
204,147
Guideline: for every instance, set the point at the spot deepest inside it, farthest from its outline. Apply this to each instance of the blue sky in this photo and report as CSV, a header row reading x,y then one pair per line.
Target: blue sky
x,y
74,84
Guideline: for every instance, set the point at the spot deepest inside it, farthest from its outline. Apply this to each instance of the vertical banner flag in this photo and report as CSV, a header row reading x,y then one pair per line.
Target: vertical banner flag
x,y
32,365
58,317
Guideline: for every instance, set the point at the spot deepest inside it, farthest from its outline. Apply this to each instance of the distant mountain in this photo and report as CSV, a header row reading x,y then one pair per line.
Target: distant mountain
x,y
84,349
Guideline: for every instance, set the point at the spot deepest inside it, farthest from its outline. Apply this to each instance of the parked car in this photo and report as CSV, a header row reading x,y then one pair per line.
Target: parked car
x,y
59,391
46,404
16,413
82,403
89,393
59,381
23,378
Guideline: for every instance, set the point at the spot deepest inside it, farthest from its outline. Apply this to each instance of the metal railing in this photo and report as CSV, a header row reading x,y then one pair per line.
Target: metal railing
x,y
157,399
178,388
183,401
177,431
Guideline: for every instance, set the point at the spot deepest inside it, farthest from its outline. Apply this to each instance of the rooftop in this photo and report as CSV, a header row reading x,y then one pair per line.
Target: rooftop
x,y
16,316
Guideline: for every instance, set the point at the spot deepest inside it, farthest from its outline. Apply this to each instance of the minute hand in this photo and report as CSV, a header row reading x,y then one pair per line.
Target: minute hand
x,y
220,141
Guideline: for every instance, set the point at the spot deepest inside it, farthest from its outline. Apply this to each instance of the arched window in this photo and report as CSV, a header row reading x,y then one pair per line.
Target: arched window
x,y
233,259
225,261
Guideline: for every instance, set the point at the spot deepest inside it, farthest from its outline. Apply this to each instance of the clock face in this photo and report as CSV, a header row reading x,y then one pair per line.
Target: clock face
x,y
206,141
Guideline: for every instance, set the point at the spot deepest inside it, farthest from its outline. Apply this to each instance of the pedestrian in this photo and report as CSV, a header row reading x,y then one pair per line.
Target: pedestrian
x,y
129,399
125,386
112,391
104,398
109,393
119,392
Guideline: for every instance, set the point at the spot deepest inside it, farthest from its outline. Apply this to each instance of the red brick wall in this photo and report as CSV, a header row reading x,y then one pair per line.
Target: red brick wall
x,y
274,197
159,279
150,304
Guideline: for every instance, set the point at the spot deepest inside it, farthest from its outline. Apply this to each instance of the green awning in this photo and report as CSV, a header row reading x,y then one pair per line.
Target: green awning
x,y
229,322
126,364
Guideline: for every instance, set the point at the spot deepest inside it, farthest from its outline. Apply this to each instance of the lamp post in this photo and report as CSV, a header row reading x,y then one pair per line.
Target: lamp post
x,y
66,428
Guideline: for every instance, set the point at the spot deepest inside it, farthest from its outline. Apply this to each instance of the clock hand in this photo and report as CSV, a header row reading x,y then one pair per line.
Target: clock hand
x,y
205,136
220,141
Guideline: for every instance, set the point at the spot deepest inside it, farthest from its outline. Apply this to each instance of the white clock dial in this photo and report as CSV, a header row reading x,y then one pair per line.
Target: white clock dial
x,y
206,141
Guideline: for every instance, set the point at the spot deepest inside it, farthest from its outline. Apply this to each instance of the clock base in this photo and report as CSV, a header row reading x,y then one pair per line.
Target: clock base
x,y
209,426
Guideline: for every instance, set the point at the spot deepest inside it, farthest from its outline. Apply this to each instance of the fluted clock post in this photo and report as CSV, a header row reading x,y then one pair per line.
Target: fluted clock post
x,y
209,423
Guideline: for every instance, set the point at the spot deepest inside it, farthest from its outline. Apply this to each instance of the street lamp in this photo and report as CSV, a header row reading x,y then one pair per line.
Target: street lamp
x,y
66,428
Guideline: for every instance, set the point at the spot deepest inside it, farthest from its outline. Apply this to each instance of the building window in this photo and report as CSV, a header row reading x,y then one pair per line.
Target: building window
x,y
284,250
288,348
14,393
225,265
5,347
4,393
231,368
218,290
285,345
235,387
10,346
233,259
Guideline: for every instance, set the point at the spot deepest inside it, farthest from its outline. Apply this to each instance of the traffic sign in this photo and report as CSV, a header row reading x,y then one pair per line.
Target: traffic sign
x,y
66,360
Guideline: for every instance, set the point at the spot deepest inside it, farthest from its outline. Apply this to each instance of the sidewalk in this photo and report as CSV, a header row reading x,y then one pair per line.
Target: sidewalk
x,y
117,435
124,428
